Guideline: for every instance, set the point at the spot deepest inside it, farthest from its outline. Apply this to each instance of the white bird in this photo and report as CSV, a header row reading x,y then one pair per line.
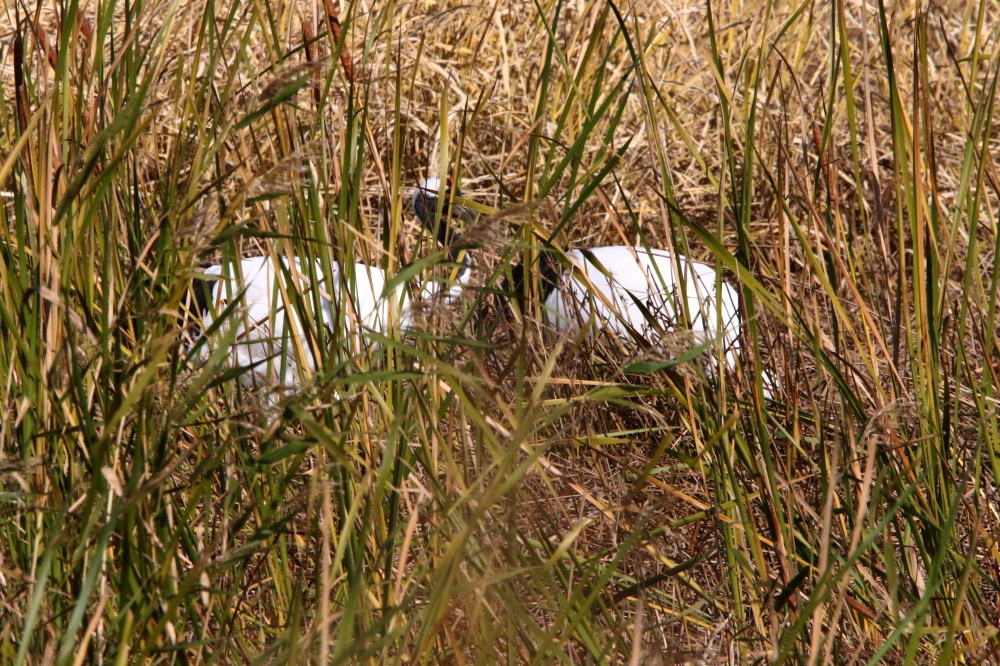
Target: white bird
x,y
260,307
633,293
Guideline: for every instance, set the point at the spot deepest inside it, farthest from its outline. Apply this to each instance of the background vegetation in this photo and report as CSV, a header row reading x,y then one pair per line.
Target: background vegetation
x,y
484,491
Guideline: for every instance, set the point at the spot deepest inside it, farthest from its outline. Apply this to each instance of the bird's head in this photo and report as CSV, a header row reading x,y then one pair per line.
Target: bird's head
x,y
425,206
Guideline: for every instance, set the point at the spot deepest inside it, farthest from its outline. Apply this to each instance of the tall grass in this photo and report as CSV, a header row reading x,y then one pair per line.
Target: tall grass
x,y
481,489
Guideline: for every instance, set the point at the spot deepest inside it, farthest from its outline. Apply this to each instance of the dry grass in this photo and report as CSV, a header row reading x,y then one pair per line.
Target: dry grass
x,y
485,490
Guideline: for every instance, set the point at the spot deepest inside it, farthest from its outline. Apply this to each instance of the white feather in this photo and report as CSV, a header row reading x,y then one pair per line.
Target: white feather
x,y
607,281
264,330
627,290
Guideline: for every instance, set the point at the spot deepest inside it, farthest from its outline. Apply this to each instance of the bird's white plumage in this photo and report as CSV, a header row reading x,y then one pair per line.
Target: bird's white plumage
x,y
429,187
624,289
628,291
265,329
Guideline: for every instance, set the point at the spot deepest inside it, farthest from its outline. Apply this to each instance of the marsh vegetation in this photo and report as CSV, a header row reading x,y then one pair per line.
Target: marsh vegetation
x,y
477,488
